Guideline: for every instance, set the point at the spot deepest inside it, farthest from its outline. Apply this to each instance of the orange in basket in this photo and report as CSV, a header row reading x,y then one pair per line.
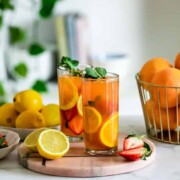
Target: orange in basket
x,y
151,67
169,78
164,119
177,61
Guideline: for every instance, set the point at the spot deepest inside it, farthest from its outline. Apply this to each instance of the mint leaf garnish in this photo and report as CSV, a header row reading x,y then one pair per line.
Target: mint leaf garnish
x,y
71,65
95,73
68,63
101,72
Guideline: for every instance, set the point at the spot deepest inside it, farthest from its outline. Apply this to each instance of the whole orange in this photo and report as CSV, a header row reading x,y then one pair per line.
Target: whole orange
x,y
151,67
177,61
166,91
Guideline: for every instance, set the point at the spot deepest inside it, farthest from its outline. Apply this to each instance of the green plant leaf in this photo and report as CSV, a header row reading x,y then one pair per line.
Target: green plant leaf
x,y
16,34
36,49
6,4
47,7
2,102
2,91
40,86
1,20
21,69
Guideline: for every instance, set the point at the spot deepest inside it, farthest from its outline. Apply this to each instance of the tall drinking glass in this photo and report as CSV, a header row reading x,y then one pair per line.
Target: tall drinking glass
x,y
100,113
70,101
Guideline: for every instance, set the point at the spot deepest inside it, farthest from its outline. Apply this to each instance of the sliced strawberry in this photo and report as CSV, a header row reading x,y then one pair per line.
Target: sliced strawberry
x,y
69,114
133,154
132,141
76,124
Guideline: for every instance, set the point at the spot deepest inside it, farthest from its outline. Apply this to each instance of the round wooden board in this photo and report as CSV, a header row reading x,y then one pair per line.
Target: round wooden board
x,y
76,163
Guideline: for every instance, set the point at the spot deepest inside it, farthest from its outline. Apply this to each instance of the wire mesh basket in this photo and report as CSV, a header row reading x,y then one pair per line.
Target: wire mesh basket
x,y
161,109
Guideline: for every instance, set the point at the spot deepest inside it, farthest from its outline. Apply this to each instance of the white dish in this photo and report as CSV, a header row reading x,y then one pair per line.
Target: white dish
x,y
12,139
23,132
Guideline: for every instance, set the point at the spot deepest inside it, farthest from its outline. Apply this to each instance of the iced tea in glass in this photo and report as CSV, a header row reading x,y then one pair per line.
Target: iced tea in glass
x,y
100,114
70,101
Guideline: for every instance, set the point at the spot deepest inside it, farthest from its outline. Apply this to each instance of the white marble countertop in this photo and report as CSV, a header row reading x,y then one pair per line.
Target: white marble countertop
x,y
165,166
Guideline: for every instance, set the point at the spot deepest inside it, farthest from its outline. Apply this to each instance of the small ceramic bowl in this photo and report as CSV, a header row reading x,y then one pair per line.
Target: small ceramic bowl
x,y
12,139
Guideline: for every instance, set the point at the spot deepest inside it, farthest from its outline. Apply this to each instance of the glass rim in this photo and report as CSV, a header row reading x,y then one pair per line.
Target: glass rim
x,y
62,68
113,76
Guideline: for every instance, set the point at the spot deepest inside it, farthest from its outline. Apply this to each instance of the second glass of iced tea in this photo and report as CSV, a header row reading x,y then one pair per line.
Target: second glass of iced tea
x,y
100,113
70,101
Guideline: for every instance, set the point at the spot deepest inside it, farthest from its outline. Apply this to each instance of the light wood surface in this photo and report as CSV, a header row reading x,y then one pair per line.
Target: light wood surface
x,y
76,163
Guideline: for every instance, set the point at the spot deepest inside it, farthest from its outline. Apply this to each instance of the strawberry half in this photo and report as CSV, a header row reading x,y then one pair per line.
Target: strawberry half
x,y
76,124
133,154
132,141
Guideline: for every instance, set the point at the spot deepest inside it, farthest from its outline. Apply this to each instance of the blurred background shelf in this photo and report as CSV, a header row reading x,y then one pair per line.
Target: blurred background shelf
x,y
119,35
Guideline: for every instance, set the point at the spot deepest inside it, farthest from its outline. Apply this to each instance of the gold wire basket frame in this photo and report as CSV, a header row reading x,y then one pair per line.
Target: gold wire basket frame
x,y
167,136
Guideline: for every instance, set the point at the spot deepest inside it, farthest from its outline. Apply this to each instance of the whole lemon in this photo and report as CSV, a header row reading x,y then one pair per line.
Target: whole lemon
x,y
8,115
30,119
51,113
27,100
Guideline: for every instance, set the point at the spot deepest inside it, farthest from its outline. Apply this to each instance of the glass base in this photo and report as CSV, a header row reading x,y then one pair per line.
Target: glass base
x,y
73,139
101,152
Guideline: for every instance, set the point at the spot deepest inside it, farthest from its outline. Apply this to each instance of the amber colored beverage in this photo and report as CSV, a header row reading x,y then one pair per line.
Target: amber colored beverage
x,y
100,114
70,101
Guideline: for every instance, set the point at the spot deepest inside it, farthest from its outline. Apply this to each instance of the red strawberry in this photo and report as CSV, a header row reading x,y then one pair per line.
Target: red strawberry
x,y
69,114
134,154
132,141
76,124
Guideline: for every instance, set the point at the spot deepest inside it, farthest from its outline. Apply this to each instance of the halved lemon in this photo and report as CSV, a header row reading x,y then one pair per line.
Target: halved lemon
x,y
31,140
79,105
52,144
109,131
68,93
92,119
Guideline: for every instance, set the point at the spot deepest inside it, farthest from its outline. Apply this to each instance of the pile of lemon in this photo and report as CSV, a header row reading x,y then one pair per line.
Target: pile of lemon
x,y
28,111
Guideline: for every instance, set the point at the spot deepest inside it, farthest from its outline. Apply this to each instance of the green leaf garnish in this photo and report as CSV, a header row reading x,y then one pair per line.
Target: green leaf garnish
x,y
101,72
36,49
21,69
47,7
95,73
68,63
71,65
40,86
16,34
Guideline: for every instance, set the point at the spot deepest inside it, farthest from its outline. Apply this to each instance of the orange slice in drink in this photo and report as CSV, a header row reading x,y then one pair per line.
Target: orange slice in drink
x,y
68,93
109,131
92,119
79,105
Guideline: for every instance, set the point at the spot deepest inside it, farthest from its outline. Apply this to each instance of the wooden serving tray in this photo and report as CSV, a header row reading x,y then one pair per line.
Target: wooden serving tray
x,y
76,163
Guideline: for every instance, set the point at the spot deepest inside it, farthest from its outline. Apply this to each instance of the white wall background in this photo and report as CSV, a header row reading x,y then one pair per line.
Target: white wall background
x,y
143,29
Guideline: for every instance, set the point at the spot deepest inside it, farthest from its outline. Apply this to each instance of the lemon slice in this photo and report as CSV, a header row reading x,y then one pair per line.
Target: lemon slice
x,y
109,131
68,93
79,105
92,119
31,140
52,144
